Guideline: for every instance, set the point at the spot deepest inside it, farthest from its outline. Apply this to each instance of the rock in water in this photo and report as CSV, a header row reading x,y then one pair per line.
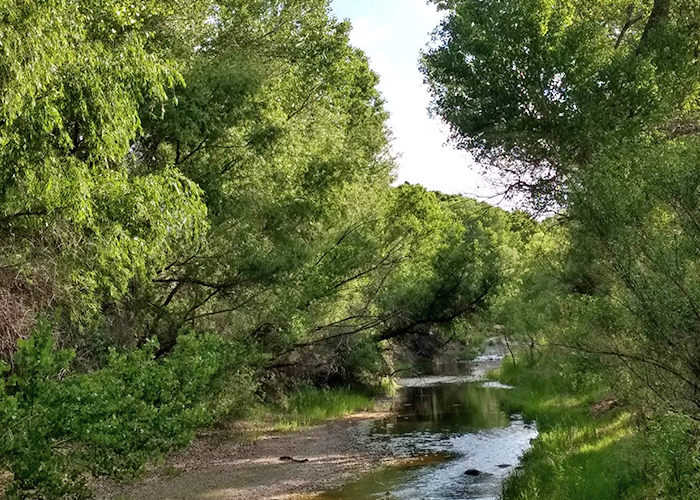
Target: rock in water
x,y
472,472
504,466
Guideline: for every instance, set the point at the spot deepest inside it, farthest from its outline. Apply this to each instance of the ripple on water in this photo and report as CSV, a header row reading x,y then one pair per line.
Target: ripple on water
x,y
485,451
463,427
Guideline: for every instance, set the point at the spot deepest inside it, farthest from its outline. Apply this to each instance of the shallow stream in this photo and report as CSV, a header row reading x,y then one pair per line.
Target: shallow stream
x,y
451,425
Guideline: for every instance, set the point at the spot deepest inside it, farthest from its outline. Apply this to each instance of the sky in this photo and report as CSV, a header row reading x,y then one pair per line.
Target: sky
x,y
392,33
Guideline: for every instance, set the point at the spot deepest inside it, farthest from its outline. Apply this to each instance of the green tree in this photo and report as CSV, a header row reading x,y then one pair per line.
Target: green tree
x,y
594,105
538,89
73,212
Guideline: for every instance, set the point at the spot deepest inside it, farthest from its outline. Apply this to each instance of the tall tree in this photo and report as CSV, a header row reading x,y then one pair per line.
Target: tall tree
x,y
74,214
595,105
538,88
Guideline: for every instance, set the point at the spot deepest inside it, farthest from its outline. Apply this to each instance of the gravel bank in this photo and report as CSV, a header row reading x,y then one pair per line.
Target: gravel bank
x,y
222,466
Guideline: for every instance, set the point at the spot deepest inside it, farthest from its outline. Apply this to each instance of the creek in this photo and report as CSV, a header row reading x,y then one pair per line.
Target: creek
x,y
450,425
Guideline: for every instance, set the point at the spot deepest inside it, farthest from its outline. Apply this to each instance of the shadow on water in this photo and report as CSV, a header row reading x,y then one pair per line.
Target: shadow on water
x,y
448,429
448,408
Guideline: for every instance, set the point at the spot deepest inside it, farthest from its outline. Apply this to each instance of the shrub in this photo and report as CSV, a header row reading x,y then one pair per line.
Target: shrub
x,y
674,450
59,427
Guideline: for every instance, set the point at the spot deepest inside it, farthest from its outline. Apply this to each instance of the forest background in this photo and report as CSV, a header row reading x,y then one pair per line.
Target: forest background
x,y
197,214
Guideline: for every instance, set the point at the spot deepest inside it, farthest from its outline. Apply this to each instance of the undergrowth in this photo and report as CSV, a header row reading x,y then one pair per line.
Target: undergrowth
x,y
312,405
58,427
580,455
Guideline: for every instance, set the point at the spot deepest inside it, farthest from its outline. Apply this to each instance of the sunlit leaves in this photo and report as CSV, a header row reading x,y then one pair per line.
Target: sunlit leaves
x,y
537,88
74,77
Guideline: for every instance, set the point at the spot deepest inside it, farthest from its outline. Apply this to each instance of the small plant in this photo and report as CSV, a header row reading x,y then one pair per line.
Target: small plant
x,y
172,471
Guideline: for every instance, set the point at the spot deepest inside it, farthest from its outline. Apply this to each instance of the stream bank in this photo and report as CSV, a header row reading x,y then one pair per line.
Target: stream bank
x,y
459,422
239,464
438,428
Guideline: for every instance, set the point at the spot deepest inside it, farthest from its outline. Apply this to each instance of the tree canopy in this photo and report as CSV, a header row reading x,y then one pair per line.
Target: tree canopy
x,y
541,89
593,106
197,209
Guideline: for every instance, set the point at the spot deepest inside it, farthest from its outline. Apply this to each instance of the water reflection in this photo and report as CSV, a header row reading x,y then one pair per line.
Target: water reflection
x,y
447,408
459,427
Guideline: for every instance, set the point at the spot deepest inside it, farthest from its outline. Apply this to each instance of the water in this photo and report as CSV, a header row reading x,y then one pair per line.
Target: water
x,y
450,428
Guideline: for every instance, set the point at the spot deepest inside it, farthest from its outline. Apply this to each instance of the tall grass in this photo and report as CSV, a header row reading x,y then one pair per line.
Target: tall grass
x,y
579,456
311,405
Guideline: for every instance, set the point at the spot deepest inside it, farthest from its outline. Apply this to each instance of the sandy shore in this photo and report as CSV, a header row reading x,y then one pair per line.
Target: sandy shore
x,y
220,465
229,464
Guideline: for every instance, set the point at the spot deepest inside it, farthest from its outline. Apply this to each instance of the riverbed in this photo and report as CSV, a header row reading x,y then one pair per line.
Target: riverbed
x,y
463,442
440,427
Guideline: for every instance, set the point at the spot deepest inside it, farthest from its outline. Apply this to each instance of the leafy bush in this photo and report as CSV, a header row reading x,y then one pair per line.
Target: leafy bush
x,y
674,450
59,427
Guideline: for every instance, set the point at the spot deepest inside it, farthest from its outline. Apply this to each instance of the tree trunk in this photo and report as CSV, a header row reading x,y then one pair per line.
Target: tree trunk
x,y
659,13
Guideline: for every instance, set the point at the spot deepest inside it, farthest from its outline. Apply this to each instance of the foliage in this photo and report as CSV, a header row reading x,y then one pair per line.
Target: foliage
x,y
583,455
198,195
592,106
200,200
73,211
311,405
59,425
541,88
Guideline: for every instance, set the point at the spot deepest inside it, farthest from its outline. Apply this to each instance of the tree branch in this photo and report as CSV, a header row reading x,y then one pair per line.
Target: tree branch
x,y
628,24
659,13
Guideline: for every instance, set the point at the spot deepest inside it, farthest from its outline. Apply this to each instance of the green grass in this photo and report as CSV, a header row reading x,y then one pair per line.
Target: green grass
x,y
311,405
577,456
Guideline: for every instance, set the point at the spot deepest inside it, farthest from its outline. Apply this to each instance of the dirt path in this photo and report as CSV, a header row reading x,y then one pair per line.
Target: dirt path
x,y
219,466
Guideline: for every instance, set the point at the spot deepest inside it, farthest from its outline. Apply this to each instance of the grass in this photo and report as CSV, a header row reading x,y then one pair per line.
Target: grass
x,y
311,406
577,456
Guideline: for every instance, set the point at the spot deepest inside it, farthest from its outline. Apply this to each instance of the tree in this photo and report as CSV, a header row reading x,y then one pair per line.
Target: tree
x,y
594,105
74,213
538,89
